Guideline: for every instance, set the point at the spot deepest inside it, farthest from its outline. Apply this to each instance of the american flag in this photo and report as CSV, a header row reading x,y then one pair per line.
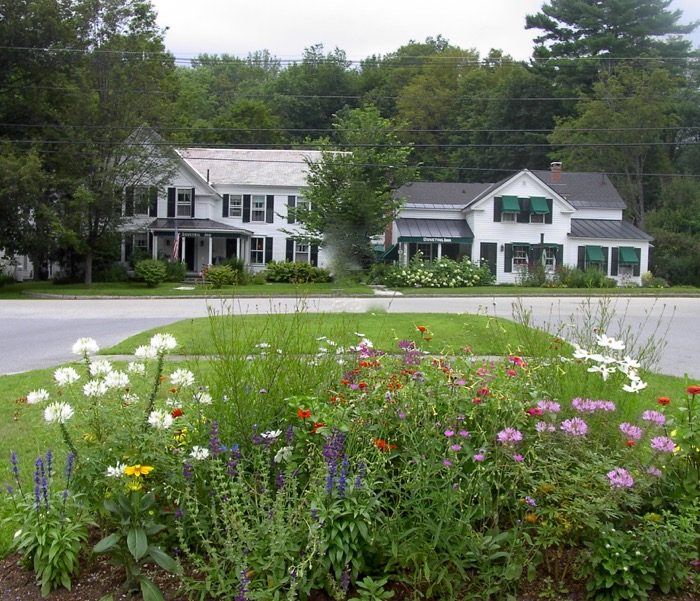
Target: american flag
x,y
176,247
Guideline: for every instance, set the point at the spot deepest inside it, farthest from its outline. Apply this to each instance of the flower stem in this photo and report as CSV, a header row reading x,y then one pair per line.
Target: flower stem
x,y
67,439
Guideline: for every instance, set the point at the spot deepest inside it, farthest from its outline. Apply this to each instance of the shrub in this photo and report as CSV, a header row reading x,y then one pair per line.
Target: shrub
x,y
6,279
219,275
113,272
175,271
237,265
443,273
152,272
572,277
295,273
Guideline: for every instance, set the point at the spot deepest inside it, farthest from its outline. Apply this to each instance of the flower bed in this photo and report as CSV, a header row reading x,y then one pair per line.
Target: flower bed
x,y
274,476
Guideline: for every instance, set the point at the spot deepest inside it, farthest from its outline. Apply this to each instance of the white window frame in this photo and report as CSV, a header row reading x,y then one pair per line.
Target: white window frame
x,y
260,210
536,217
520,257
550,258
142,200
302,252
183,199
257,253
235,205
508,217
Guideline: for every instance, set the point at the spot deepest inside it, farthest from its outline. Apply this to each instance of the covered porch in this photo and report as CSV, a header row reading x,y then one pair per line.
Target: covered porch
x,y
198,242
434,239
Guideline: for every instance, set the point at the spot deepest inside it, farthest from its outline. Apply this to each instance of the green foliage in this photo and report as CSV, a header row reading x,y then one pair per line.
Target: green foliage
x,y
113,272
369,589
443,273
295,273
592,277
53,525
218,276
175,271
135,518
151,271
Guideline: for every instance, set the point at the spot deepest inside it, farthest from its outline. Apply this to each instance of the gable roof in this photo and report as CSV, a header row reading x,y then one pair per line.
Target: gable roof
x,y
584,190
286,168
606,229
439,194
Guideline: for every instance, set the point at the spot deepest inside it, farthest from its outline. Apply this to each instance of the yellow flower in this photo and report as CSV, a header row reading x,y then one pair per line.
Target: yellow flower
x,y
134,485
138,470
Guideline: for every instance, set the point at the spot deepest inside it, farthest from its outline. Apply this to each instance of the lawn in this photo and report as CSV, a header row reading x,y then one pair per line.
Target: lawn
x,y
434,466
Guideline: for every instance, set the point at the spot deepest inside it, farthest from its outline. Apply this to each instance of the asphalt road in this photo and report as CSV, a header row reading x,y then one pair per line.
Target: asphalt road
x,y
39,333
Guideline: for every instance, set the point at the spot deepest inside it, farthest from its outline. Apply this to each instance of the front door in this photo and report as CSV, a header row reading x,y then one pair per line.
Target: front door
x,y
488,254
190,249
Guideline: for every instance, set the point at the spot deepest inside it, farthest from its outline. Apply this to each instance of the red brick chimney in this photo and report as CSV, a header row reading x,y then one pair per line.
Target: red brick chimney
x,y
555,170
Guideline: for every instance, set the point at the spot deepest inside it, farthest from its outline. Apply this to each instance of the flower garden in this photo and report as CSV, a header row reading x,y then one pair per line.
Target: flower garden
x,y
358,472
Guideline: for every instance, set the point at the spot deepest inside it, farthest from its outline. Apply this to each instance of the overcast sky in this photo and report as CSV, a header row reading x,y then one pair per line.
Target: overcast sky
x,y
360,27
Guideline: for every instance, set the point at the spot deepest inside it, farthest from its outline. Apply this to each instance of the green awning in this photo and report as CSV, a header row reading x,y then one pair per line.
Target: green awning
x,y
628,256
510,204
594,254
538,205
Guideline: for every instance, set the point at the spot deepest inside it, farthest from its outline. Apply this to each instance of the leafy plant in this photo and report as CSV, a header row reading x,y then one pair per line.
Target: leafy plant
x,y
443,273
134,517
53,525
295,273
219,275
369,589
151,271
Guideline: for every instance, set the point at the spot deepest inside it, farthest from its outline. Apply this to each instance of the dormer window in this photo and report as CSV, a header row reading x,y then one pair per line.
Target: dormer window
x,y
538,209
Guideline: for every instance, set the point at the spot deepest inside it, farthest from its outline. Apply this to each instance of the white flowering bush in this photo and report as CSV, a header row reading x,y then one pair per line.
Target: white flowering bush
x,y
443,273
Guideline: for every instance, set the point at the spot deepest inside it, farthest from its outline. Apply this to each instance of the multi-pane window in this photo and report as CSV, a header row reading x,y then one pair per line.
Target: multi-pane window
x,y
141,241
184,202
301,252
549,258
426,251
257,251
302,203
536,218
257,207
141,200
520,257
235,205
508,217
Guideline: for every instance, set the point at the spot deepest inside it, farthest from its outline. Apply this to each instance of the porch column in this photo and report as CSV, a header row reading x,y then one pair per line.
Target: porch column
x,y
404,254
154,250
238,247
209,262
182,248
439,254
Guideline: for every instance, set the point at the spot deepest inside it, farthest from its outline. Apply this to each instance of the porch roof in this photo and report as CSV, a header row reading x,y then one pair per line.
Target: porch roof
x,y
434,230
199,226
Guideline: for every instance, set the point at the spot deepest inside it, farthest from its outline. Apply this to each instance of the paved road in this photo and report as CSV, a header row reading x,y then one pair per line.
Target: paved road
x,y
39,333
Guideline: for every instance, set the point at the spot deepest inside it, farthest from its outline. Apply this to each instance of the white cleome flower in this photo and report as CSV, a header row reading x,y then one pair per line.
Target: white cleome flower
x,y
37,396
160,419
58,413
129,398
634,386
202,397
271,435
199,453
163,342
100,368
95,388
85,346
116,379
262,345
146,352
116,471
182,377
611,343
629,364
64,376
136,368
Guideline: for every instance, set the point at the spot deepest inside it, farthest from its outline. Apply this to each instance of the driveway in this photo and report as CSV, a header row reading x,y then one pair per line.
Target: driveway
x,y
39,333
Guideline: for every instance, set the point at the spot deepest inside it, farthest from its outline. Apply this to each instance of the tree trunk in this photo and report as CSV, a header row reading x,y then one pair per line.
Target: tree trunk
x,y
88,269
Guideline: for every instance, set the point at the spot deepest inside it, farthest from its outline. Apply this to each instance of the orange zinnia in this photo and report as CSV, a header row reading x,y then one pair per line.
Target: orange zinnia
x,y
304,413
316,426
663,400
694,390
421,329
177,412
383,445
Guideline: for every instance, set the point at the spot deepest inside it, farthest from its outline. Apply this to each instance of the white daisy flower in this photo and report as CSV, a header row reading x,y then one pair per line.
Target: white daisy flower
x,y
160,419
199,453
163,342
85,346
37,396
182,377
58,413
100,368
116,471
64,376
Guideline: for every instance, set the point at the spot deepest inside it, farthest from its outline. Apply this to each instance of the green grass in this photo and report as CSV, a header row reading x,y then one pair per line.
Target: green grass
x,y
507,290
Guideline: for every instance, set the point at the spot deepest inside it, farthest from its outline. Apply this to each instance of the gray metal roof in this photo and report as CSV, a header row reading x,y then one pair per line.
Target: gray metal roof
x,y
241,167
420,194
584,190
433,228
195,225
606,229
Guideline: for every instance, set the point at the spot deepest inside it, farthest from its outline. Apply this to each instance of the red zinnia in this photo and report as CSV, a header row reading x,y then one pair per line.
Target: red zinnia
x,y
316,426
694,390
476,400
383,445
533,411
630,442
362,385
483,391
421,329
511,372
177,412
304,413
663,400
